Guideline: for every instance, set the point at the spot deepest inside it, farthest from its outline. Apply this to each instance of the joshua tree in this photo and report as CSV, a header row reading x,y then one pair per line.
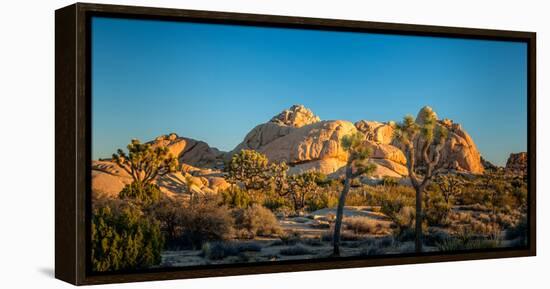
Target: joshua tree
x,y
249,168
357,165
144,163
423,140
301,186
450,185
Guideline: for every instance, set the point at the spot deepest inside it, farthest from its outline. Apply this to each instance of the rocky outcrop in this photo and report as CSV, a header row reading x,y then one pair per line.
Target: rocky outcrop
x,y
517,163
376,131
190,151
296,116
459,153
299,138
108,180
316,145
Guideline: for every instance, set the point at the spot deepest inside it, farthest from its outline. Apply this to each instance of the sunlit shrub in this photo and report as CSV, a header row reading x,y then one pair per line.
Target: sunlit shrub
x,y
257,221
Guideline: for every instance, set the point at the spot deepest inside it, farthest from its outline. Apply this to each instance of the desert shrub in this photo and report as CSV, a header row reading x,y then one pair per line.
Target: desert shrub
x,y
219,250
437,209
397,203
344,236
167,212
144,194
204,222
435,236
257,221
390,181
295,250
277,203
449,245
314,242
405,235
364,225
290,238
235,197
327,198
460,217
123,237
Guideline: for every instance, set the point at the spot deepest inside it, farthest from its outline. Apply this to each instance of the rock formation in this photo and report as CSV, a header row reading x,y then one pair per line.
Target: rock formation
x,y
299,138
197,158
296,116
459,153
517,163
190,151
488,166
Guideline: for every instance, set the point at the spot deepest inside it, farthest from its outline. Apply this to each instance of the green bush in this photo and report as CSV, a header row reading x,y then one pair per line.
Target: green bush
x,y
398,205
235,197
123,237
145,194
390,181
326,199
436,208
257,221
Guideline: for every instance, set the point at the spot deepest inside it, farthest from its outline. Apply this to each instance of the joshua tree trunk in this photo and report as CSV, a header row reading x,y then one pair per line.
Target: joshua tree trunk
x,y
340,211
418,219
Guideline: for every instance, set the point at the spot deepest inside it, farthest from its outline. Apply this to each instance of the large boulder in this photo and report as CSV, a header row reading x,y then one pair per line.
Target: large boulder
x,y
376,131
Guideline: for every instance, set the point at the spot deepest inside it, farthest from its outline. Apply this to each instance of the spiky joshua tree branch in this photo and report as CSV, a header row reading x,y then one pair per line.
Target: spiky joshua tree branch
x,y
423,140
357,165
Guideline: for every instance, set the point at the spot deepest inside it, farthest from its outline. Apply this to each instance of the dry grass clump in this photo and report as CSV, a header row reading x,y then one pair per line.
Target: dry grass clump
x,y
220,250
365,225
202,223
256,220
344,236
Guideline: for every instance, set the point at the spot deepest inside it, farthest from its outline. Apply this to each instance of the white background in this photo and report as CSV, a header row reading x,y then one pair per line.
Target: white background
x,y
27,144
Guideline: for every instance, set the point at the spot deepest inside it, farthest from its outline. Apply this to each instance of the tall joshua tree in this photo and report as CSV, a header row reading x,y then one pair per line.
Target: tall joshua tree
x,y
422,140
357,165
144,163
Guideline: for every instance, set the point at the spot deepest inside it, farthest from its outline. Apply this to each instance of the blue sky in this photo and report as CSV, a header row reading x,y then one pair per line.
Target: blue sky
x,y
215,82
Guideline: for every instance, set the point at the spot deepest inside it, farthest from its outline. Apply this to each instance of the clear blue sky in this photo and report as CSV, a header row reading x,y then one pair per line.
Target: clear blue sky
x,y
216,82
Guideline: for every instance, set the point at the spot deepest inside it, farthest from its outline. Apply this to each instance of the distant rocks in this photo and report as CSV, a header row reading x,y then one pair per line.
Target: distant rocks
x,y
517,163
197,159
488,166
190,151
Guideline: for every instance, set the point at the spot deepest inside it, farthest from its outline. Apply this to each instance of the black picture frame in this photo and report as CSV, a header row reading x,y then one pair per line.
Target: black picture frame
x,y
73,135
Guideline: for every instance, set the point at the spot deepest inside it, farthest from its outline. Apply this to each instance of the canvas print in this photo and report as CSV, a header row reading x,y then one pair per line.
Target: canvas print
x,y
216,144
